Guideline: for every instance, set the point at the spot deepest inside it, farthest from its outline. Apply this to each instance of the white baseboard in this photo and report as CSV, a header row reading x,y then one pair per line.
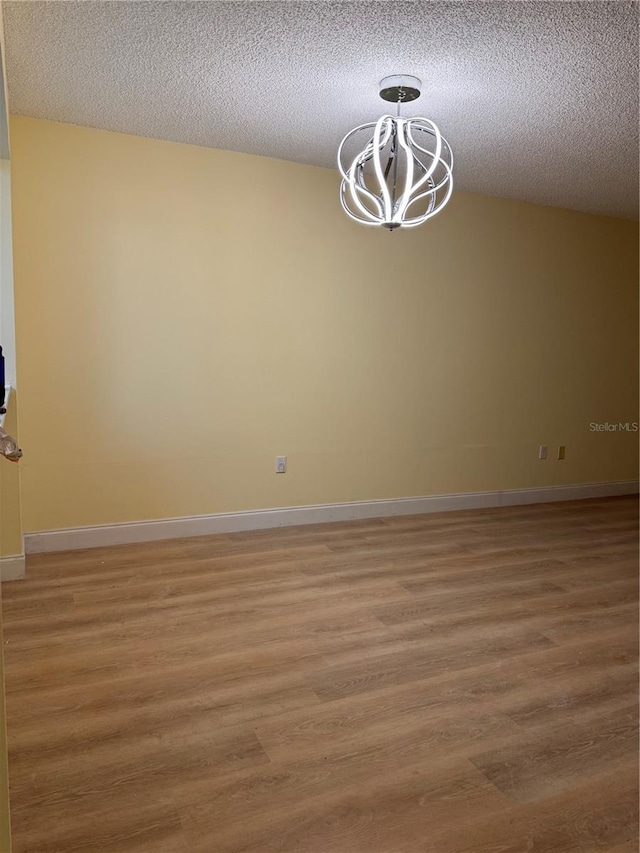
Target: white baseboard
x,y
12,568
233,522
580,491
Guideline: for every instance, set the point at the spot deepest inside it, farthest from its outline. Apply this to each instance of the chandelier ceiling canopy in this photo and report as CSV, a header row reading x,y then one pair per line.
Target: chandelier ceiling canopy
x,y
400,173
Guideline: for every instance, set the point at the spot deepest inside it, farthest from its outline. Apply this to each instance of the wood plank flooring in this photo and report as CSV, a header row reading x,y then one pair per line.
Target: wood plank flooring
x,y
451,683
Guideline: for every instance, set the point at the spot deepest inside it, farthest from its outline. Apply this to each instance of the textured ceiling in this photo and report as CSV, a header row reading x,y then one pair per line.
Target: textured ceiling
x,y
539,100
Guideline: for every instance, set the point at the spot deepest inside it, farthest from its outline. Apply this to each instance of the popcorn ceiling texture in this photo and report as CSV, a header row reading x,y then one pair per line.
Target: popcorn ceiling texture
x,y
539,100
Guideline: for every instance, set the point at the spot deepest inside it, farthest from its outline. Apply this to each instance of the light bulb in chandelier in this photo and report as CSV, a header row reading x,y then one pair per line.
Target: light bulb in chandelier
x,y
400,174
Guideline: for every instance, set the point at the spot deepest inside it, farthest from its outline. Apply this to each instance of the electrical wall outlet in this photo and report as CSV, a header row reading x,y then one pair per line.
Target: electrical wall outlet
x,y
281,464
562,451
542,451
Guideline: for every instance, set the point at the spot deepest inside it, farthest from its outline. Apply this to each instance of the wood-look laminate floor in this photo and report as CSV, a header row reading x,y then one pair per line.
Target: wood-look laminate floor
x,y
439,683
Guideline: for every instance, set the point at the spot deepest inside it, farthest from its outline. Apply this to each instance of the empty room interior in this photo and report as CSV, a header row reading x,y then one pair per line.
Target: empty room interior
x,y
319,426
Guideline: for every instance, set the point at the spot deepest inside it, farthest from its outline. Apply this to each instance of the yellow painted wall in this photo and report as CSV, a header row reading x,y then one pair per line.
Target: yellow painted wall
x,y
185,314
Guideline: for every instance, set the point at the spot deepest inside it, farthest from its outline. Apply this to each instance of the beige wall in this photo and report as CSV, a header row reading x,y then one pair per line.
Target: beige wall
x,y
185,314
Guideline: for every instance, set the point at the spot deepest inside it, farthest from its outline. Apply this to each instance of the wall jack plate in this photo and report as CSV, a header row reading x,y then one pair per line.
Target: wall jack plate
x,y
542,451
281,464
562,451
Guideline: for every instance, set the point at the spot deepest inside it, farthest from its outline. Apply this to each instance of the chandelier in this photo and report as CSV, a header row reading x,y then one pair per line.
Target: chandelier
x,y
401,174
